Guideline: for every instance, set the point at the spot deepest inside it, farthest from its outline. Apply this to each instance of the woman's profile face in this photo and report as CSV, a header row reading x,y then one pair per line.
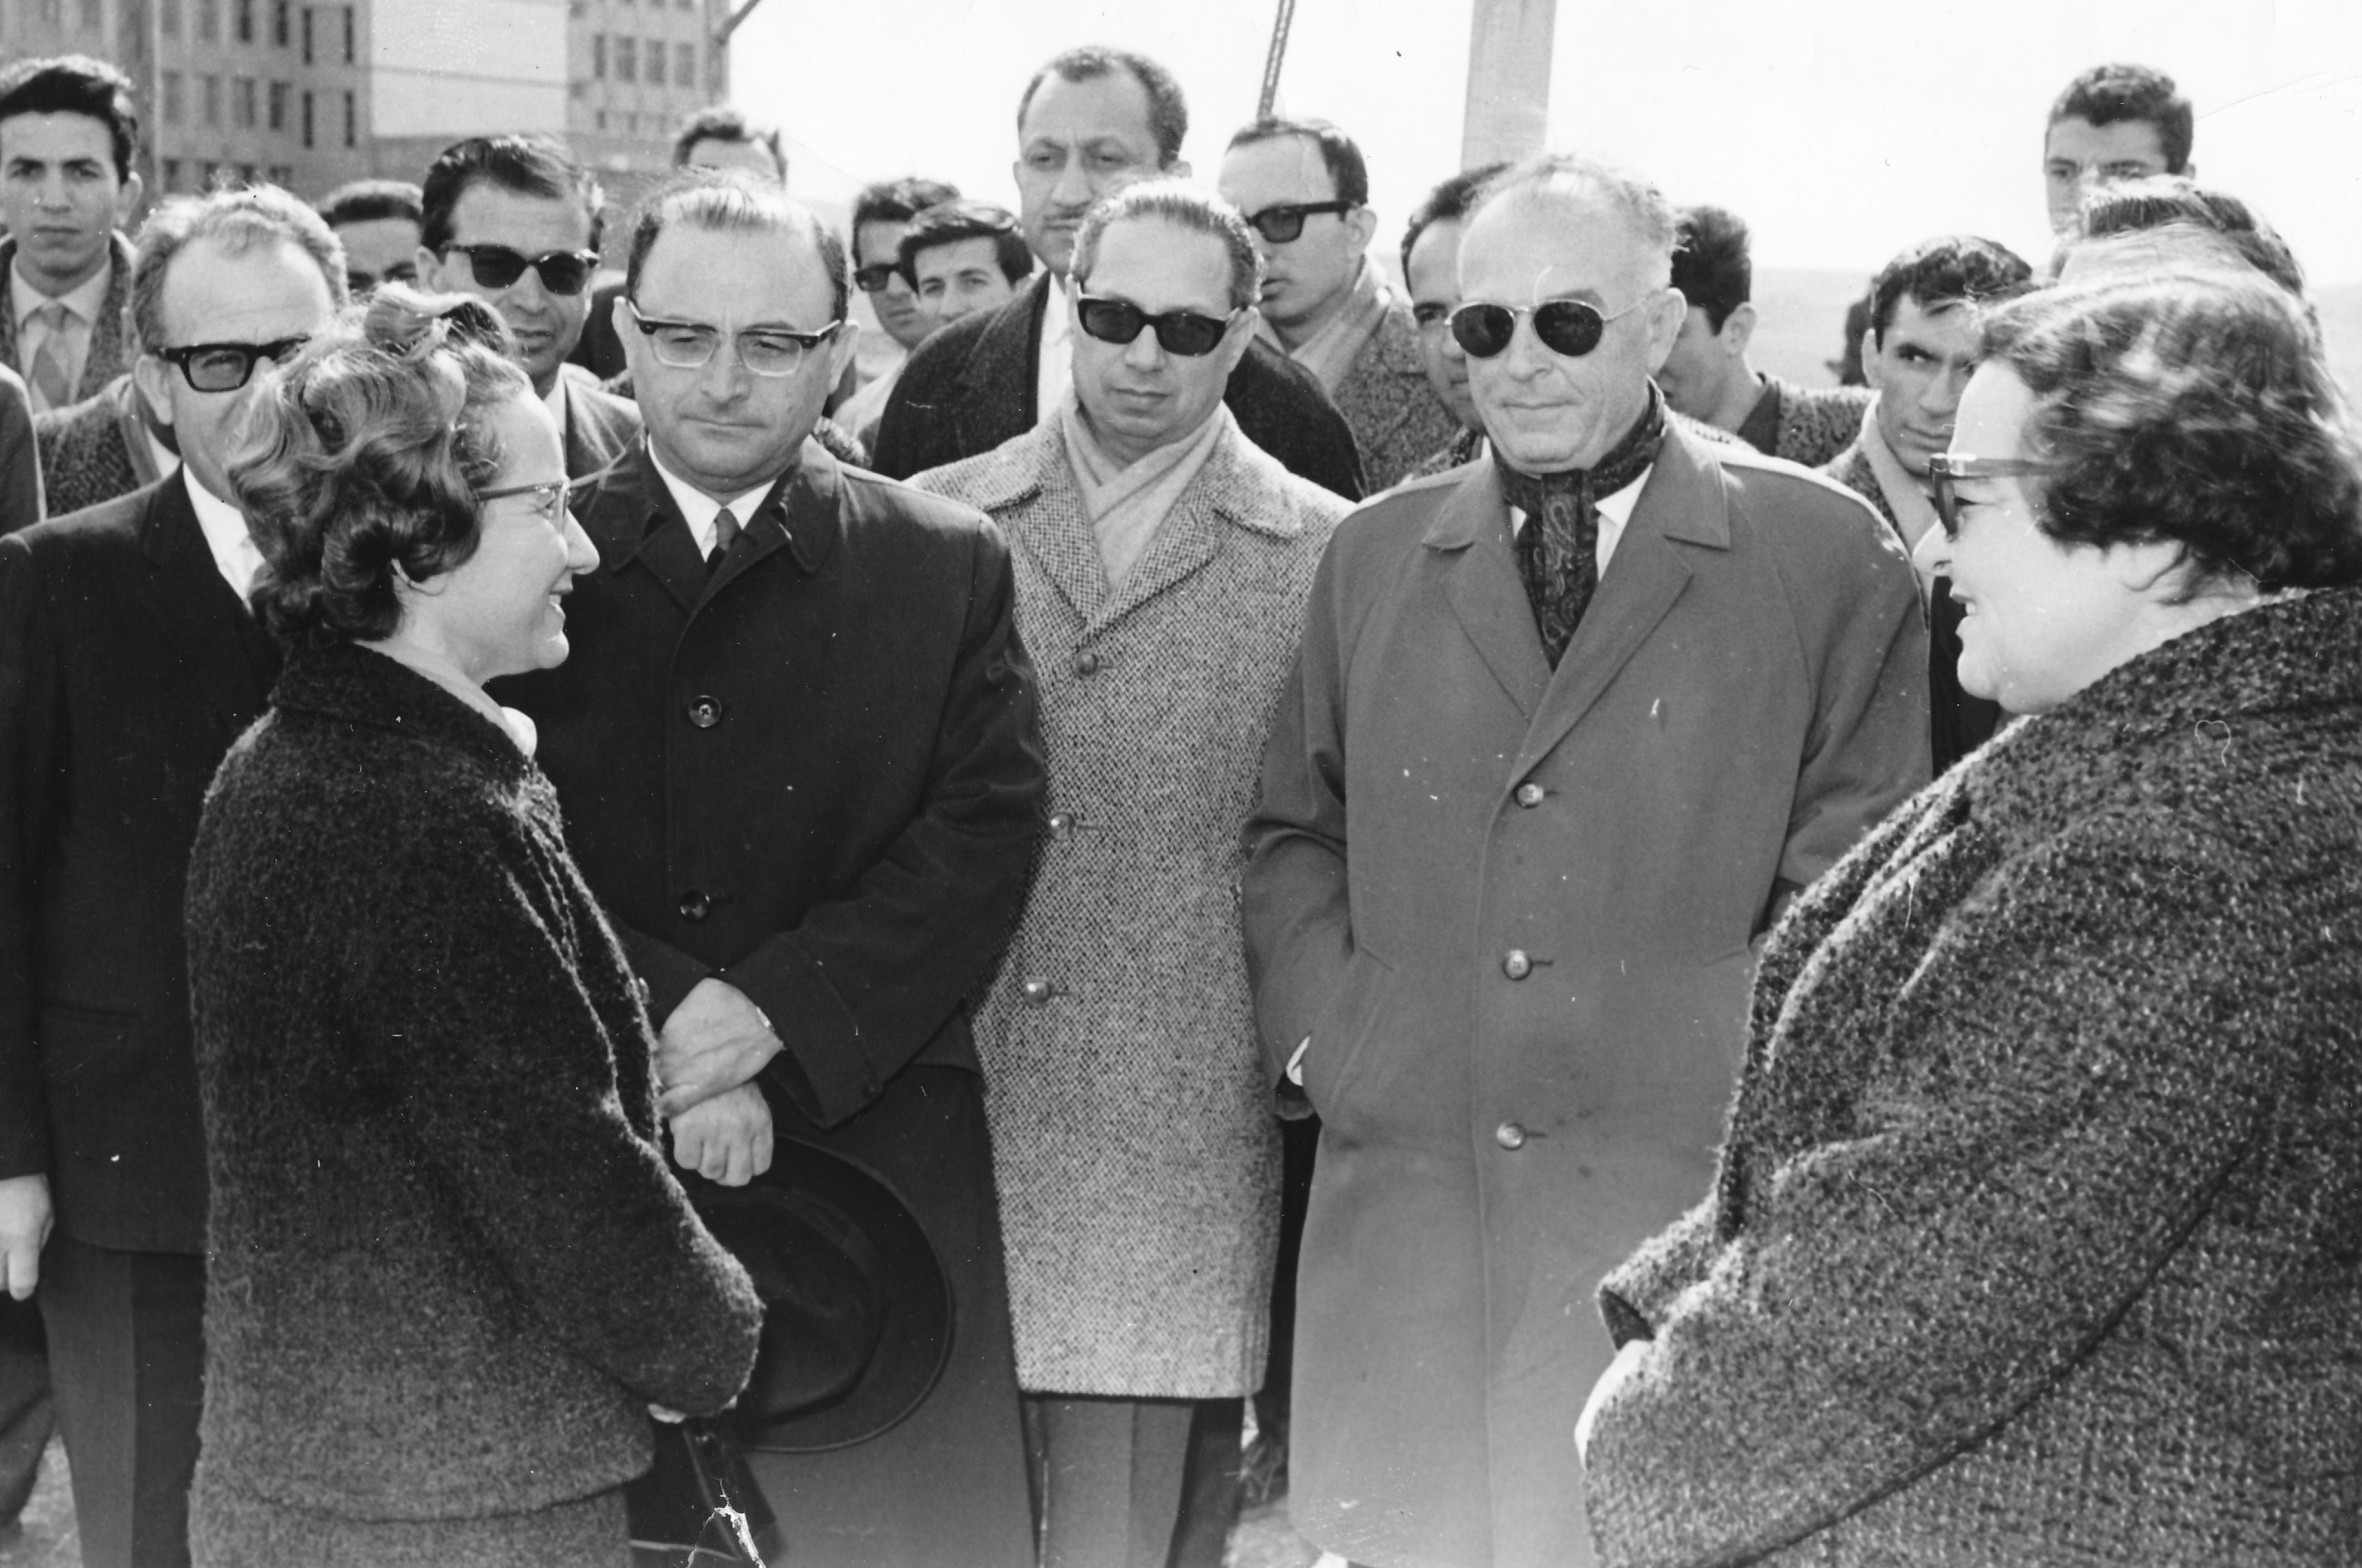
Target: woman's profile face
x,y
501,612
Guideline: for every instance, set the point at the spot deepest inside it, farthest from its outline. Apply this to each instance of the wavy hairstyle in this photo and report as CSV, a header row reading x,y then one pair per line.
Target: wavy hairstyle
x,y
2195,408
358,466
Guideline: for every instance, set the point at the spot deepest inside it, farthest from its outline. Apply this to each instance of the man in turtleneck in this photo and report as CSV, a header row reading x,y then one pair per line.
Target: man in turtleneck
x,y
1570,729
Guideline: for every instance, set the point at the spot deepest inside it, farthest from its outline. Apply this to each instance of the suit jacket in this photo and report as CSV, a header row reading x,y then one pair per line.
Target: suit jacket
x,y
1512,909
21,499
975,384
1396,419
110,349
600,425
127,669
95,450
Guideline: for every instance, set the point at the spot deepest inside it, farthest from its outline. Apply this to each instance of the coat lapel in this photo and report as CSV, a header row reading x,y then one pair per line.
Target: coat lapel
x,y
1032,495
633,520
214,635
1186,541
999,382
1482,586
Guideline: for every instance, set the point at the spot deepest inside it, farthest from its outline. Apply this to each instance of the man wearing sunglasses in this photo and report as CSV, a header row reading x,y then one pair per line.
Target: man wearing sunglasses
x,y
1305,189
514,220
1570,727
1090,120
128,662
797,747
881,215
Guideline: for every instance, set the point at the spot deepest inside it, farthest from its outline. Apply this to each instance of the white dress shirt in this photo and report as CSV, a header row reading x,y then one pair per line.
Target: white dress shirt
x,y
235,554
1057,371
700,509
1615,510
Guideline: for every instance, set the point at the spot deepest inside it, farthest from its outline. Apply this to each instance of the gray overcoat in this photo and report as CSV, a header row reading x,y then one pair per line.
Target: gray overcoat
x,y
1136,1152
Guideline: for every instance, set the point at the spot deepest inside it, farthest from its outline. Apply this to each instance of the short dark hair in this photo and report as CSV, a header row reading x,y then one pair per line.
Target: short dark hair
x,y
732,201
1450,202
1952,269
361,463
948,222
366,201
719,122
1711,264
1186,205
524,165
2106,93
76,85
1349,173
240,219
1168,112
2160,201
899,201
2197,408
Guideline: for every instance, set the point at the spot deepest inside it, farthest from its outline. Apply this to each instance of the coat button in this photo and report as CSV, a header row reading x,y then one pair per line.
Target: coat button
x,y
704,712
1037,991
1517,964
1529,795
1087,663
1061,825
696,905
1510,1136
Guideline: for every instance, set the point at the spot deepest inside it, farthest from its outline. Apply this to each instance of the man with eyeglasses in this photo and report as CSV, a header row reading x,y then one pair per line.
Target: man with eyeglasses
x,y
1430,262
797,747
128,662
1305,189
1091,119
515,220
1570,729
881,215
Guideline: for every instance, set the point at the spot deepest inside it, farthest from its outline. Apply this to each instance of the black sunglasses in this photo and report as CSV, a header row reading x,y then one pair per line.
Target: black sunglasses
x,y
1571,328
1182,332
226,366
497,267
1281,223
876,275
1947,468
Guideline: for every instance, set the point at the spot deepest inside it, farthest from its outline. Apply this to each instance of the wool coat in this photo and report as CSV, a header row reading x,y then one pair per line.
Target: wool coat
x,y
449,1269
2033,1239
96,450
22,502
1511,908
1397,420
1137,1156
976,384
112,347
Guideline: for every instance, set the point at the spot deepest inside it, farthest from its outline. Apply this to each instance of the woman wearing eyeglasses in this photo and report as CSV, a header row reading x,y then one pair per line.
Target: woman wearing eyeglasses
x,y
449,1272
2034,1236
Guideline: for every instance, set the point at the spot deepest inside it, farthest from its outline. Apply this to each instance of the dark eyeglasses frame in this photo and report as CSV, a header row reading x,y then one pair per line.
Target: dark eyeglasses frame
x,y
1285,223
805,342
1569,328
248,354
500,256
873,279
1947,468
1182,332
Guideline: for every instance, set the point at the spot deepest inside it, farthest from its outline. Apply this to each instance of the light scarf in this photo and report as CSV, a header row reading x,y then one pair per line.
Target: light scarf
x,y
1330,351
1127,504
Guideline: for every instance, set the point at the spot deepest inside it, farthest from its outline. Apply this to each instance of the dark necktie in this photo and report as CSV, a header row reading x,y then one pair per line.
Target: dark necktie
x,y
725,533
1558,549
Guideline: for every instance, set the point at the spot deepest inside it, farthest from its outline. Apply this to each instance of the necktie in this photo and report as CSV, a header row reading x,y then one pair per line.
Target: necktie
x,y
1558,549
725,533
50,377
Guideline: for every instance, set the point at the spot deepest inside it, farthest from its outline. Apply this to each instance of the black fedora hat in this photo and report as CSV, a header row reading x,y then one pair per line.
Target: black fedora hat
x,y
857,1310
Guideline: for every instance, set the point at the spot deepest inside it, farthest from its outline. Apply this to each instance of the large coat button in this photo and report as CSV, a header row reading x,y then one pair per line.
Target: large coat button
x,y
696,904
1061,825
1529,795
704,712
1510,1136
1037,991
1517,964
1087,663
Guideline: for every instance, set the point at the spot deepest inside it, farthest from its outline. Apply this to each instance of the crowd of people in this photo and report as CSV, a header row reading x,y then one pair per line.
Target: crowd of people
x,y
614,938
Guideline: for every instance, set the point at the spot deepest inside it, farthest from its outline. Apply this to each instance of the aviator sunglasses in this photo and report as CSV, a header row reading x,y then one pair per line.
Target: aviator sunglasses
x,y
1182,332
497,267
1569,328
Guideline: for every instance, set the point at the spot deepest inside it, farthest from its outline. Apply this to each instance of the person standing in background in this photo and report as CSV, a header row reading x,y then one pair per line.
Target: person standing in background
x,y
69,128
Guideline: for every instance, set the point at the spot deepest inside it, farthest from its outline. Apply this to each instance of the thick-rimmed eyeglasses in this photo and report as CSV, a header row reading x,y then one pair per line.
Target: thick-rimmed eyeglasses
x,y
226,366
874,278
1281,223
1568,327
764,350
497,267
1182,332
1947,468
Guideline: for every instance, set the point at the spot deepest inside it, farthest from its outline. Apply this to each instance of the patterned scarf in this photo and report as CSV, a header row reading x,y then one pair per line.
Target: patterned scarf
x,y
1558,549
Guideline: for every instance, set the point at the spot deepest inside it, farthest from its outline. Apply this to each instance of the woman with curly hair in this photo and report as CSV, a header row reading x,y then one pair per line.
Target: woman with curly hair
x,y
450,1273
2035,1238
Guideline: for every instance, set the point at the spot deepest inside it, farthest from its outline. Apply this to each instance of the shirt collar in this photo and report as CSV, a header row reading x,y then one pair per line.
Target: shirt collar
x,y
85,299
556,401
699,509
1615,511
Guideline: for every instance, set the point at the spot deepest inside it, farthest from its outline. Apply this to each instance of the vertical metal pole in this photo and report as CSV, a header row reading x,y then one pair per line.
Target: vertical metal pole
x,y
1280,23
1508,79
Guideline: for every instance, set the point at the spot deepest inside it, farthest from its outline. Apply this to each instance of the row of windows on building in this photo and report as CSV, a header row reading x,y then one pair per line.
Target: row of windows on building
x,y
247,21
211,172
251,104
621,58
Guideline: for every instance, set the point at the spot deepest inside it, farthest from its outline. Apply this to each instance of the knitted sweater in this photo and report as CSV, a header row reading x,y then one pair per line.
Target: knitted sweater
x,y
448,1268
2034,1235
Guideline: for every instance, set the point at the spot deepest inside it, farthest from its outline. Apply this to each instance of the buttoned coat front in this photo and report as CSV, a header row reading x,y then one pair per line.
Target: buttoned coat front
x,y
1137,1155
1512,909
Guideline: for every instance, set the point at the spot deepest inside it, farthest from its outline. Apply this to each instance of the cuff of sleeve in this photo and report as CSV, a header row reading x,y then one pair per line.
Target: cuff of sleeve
x,y
823,1068
667,974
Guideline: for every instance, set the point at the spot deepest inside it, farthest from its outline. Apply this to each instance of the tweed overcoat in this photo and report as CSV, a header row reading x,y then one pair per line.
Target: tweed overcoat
x,y
1512,909
96,450
1397,420
448,1269
2034,1236
112,348
1137,1155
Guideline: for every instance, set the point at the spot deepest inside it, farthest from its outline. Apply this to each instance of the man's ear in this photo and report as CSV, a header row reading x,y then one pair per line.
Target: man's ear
x,y
840,350
1738,329
1667,311
153,377
1241,333
1870,370
126,200
1362,224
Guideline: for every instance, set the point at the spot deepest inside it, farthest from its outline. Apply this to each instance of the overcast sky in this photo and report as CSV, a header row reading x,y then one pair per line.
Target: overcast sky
x,y
1841,129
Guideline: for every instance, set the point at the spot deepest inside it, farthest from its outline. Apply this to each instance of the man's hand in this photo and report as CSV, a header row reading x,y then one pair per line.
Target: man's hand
x,y
715,1039
25,1225
726,1138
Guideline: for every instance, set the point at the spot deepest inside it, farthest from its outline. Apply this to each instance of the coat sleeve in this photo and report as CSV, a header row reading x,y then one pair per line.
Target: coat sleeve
x,y
2053,1116
21,459
913,433
29,719
507,1073
860,985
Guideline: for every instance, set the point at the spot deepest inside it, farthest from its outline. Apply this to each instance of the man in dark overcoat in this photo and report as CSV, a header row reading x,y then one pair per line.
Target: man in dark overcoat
x,y
796,748
1569,728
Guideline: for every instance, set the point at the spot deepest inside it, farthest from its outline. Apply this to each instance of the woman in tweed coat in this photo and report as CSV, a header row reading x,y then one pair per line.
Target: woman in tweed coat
x,y
2035,1237
449,1271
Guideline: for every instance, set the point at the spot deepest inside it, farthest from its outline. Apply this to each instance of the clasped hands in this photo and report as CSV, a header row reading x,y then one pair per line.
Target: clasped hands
x,y
708,1053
